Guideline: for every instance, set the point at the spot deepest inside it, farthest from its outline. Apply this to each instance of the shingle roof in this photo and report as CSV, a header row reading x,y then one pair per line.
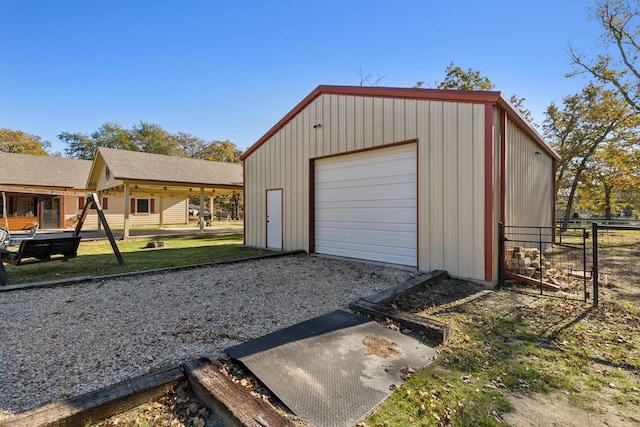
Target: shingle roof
x,y
139,166
43,171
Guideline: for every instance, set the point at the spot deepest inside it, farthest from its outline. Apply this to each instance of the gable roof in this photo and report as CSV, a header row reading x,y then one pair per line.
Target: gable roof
x,y
479,97
130,166
43,171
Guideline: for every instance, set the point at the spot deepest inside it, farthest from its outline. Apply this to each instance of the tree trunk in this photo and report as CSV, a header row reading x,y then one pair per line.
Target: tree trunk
x,y
607,201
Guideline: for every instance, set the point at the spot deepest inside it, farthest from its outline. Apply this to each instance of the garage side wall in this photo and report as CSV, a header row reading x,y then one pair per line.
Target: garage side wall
x,y
529,181
450,144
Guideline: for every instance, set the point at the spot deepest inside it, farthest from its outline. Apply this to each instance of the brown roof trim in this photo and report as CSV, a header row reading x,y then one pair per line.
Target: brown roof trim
x,y
480,97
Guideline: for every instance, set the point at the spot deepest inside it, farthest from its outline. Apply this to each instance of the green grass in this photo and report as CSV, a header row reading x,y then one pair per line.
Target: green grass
x,y
539,345
97,258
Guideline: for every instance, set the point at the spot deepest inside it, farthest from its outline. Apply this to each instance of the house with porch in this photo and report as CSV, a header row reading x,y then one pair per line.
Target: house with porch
x,y
40,189
135,189
154,189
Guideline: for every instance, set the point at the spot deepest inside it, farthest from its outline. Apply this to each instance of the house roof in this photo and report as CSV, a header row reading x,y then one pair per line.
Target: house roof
x,y
480,97
157,169
43,171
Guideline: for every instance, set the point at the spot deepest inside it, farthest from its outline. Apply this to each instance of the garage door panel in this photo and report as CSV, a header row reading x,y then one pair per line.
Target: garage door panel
x,y
365,252
366,205
371,157
365,182
403,241
366,194
391,216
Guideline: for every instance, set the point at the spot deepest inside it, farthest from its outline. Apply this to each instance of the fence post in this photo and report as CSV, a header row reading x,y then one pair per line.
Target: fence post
x,y
585,236
500,255
594,231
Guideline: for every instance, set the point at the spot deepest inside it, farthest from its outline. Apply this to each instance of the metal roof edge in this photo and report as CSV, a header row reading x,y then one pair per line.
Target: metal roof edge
x,y
382,92
527,127
481,97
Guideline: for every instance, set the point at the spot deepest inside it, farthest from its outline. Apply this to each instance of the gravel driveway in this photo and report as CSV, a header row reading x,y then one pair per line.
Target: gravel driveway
x,y
60,342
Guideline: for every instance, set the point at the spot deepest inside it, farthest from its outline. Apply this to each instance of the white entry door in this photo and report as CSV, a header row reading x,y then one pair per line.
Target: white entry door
x,y
274,219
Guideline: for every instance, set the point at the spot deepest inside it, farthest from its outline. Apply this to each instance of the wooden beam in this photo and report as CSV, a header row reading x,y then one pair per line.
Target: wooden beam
x,y
230,402
42,191
530,281
102,403
406,287
434,330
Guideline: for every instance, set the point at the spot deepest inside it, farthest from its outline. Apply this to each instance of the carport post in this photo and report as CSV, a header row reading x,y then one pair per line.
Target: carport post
x,y
595,272
201,214
127,211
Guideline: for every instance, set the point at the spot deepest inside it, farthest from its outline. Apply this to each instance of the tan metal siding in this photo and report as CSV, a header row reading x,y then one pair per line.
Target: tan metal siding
x,y
528,182
432,155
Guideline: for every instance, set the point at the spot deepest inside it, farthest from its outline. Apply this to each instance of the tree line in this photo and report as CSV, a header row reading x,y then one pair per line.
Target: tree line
x,y
145,137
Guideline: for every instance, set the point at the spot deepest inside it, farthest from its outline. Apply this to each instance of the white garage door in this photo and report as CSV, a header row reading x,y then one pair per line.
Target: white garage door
x,y
366,207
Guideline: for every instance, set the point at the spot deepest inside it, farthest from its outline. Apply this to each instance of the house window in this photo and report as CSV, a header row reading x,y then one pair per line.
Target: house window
x,y
142,206
105,203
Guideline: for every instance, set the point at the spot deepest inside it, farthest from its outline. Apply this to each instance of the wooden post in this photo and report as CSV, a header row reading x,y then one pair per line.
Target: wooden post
x,y
201,212
127,211
99,222
594,232
93,201
4,277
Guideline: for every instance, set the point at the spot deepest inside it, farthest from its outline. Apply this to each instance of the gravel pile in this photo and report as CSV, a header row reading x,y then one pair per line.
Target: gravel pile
x,y
65,341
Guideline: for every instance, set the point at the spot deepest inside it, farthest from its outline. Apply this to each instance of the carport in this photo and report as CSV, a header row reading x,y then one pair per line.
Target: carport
x,y
144,179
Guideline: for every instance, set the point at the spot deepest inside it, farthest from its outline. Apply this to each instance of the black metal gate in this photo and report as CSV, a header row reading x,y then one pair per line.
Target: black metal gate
x,y
546,261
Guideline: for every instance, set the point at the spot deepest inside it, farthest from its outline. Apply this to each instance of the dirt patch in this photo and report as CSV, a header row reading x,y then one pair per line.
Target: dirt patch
x,y
437,296
180,407
555,410
380,347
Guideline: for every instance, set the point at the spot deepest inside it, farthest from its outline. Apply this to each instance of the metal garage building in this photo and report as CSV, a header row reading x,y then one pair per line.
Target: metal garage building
x,y
414,177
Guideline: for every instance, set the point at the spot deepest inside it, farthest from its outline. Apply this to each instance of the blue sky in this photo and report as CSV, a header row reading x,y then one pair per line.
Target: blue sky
x,y
230,70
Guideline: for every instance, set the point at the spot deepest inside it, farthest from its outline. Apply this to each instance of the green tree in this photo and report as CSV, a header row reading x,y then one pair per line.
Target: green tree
x,y
616,66
220,151
110,135
188,145
151,138
610,178
457,78
518,103
78,145
148,138
587,121
17,141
